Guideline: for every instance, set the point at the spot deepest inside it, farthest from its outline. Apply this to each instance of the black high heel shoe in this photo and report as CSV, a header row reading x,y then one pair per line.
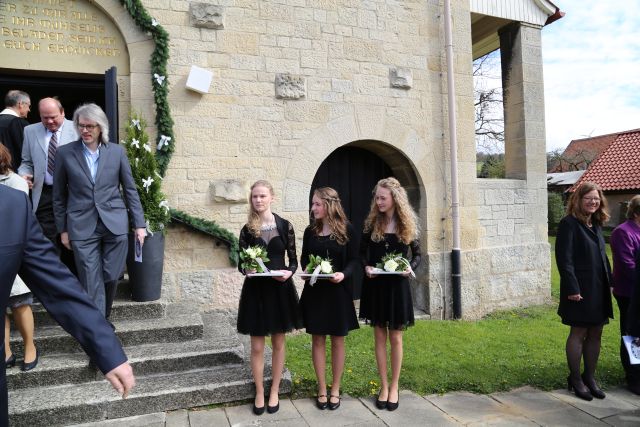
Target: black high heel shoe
x,y
29,366
10,362
594,389
586,395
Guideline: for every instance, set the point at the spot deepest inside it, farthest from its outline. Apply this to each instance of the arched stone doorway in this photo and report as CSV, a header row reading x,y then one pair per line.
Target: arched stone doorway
x,y
354,169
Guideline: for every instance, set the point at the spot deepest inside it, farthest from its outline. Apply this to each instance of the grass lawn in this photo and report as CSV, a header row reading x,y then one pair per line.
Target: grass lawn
x,y
502,351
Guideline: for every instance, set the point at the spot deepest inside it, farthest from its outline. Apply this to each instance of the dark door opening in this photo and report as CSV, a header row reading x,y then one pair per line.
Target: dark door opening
x,y
352,172
72,91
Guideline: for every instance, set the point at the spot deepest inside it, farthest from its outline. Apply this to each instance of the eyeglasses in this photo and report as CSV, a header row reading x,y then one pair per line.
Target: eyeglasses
x,y
87,127
592,199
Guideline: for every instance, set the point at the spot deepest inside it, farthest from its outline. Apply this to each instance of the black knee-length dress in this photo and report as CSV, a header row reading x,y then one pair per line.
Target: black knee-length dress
x,y
268,306
327,307
386,299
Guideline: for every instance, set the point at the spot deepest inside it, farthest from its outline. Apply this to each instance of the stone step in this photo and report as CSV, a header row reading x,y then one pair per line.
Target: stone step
x,y
145,359
55,340
95,401
121,310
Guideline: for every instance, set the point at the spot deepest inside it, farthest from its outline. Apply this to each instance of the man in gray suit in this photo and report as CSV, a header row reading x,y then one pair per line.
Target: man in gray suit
x,y
90,212
38,160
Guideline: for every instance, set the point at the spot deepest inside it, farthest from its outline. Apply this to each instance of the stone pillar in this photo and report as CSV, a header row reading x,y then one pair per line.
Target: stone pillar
x,y
523,93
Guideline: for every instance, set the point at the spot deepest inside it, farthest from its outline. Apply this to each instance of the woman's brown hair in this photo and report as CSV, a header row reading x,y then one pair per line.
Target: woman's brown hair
x,y
336,218
574,206
5,160
376,222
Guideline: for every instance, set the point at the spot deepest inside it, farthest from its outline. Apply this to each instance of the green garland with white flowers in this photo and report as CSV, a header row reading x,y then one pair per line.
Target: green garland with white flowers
x,y
165,142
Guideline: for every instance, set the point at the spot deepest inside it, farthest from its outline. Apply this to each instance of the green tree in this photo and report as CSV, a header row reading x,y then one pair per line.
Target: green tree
x,y
145,173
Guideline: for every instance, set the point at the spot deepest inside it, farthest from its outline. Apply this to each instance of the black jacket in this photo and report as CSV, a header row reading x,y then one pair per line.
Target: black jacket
x,y
584,269
285,230
11,135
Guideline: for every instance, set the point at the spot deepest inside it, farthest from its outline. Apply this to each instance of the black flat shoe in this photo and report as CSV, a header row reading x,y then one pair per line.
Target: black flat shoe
x,y
11,361
258,411
29,366
381,404
333,406
594,389
586,395
273,409
319,404
392,406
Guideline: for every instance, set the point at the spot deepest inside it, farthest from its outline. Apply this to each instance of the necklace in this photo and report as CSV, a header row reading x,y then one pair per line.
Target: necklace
x,y
270,226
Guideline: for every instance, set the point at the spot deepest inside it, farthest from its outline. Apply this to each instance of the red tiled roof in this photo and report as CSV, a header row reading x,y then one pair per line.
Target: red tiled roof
x,y
580,152
617,167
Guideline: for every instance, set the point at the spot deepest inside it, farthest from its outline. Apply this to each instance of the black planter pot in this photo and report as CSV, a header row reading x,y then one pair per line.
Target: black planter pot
x,y
146,277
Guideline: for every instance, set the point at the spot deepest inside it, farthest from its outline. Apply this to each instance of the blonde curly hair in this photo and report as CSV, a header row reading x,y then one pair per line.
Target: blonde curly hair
x,y
336,218
407,223
254,222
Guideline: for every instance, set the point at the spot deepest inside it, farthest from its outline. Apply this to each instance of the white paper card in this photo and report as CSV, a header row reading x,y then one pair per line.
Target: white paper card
x,y
632,349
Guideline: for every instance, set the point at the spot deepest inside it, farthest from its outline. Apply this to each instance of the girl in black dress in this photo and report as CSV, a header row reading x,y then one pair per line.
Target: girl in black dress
x,y
327,306
268,305
585,277
386,300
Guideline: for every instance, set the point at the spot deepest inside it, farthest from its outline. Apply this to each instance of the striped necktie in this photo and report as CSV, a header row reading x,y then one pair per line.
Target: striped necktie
x,y
51,157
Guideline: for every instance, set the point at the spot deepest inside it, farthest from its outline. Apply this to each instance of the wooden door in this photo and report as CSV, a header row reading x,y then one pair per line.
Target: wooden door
x,y
352,172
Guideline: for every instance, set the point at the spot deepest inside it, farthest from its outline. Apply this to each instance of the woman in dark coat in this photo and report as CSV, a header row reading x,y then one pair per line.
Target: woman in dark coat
x,y
327,305
585,277
268,305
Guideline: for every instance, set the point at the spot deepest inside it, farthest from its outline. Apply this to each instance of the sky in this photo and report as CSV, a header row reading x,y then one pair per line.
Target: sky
x,y
591,70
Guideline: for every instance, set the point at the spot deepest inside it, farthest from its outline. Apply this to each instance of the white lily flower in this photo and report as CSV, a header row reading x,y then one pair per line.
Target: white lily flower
x,y
135,143
149,232
154,22
164,140
146,183
147,147
159,78
164,204
136,123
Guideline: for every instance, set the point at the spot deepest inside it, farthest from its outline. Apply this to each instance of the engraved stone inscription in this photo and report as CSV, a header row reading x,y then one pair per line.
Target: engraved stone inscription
x,y
61,35
289,86
207,15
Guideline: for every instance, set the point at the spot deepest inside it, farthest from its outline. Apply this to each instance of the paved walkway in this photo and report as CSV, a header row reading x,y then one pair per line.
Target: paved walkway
x,y
521,407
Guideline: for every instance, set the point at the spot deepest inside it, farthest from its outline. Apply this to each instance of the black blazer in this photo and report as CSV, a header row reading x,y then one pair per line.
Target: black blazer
x,y
11,135
584,269
25,250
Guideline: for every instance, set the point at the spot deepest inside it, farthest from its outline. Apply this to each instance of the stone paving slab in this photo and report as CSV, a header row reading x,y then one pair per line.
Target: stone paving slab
x,y
528,400
351,412
243,415
569,416
506,421
466,407
628,419
207,418
179,418
624,394
598,408
413,411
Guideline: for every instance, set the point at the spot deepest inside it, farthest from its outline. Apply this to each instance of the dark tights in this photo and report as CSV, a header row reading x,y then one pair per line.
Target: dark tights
x,y
583,343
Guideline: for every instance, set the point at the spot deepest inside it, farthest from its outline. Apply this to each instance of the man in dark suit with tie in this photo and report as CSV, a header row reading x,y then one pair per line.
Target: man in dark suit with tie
x,y
25,250
13,120
90,212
